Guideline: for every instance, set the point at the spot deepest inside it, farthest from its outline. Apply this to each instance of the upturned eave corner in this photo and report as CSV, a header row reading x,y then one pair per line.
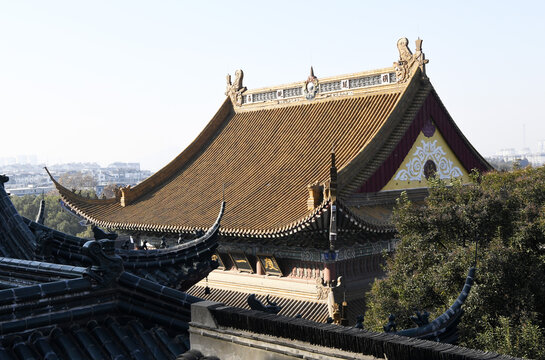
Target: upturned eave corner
x,y
71,197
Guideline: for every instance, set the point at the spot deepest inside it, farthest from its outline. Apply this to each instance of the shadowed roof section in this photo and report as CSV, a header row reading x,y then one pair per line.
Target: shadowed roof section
x,y
264,157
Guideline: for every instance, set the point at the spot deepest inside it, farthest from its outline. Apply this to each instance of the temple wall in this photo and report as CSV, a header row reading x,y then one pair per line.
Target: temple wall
x,y
237,334
234,344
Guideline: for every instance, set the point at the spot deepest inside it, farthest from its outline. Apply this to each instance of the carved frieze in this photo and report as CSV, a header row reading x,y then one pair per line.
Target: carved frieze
x,y
322,290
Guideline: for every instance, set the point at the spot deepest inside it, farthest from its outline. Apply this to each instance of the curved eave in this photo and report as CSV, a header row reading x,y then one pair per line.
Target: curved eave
x,y
186,156
165,173
195,250
290,229
364,224
87,208
73,198
446,319
206,242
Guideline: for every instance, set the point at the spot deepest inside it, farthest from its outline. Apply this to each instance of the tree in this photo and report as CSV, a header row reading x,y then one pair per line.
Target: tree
x,y
55,217
504,213
77,180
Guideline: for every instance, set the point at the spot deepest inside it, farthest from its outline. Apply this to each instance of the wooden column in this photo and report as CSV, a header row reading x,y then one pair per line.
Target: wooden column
x,y
259,268
329,272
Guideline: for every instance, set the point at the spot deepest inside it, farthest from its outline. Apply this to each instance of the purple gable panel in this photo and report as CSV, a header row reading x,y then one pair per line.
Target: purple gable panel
x,y
432,108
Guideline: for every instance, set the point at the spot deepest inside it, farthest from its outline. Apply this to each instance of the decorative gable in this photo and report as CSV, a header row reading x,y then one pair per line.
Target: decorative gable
x,y
451,150
430,155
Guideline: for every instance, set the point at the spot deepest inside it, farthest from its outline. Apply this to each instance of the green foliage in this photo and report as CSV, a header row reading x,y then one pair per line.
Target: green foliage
x,y
518,338
505,213
55,217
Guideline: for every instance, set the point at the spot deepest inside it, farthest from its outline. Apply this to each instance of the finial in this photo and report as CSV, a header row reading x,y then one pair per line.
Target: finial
x,y
310,88
234,90
420,58
408,61
418,44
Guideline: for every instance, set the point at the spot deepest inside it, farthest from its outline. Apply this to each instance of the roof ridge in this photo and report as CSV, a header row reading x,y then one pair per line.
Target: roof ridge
x,y
353,84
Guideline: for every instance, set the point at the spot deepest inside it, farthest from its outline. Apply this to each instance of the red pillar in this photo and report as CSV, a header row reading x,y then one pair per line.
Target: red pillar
x,y
329,272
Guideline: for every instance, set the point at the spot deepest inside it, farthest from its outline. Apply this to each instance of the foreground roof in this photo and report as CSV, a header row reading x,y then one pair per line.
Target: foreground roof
x,y
64,297
265,147
179,267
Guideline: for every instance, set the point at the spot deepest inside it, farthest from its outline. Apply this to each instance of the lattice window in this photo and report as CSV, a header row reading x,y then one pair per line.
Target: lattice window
x,y
266,96
365,81
392,77
330,86
292,92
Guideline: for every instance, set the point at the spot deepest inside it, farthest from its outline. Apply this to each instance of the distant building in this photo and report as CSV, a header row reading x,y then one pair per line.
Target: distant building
x,y
26,178
31,190
536,158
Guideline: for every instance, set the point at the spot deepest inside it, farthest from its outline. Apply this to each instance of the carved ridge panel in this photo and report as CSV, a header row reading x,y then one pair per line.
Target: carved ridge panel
x,y
429,151
430,155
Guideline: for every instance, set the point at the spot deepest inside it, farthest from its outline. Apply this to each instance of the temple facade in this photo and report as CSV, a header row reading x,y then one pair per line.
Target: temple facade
x,y
65,297
309,172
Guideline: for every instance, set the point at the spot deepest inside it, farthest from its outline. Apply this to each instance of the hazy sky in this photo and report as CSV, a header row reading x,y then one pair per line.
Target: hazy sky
x,y
136,81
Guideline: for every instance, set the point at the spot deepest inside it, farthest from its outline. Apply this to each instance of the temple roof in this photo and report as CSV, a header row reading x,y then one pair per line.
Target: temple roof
x,y
64,297
265,146
179,266
52,311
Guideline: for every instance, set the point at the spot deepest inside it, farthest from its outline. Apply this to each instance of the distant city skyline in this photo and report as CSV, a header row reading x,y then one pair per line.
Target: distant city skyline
x,y
138,81
34,159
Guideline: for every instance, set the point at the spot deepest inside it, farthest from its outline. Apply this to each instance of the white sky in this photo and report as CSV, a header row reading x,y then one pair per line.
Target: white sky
x,y
136,81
